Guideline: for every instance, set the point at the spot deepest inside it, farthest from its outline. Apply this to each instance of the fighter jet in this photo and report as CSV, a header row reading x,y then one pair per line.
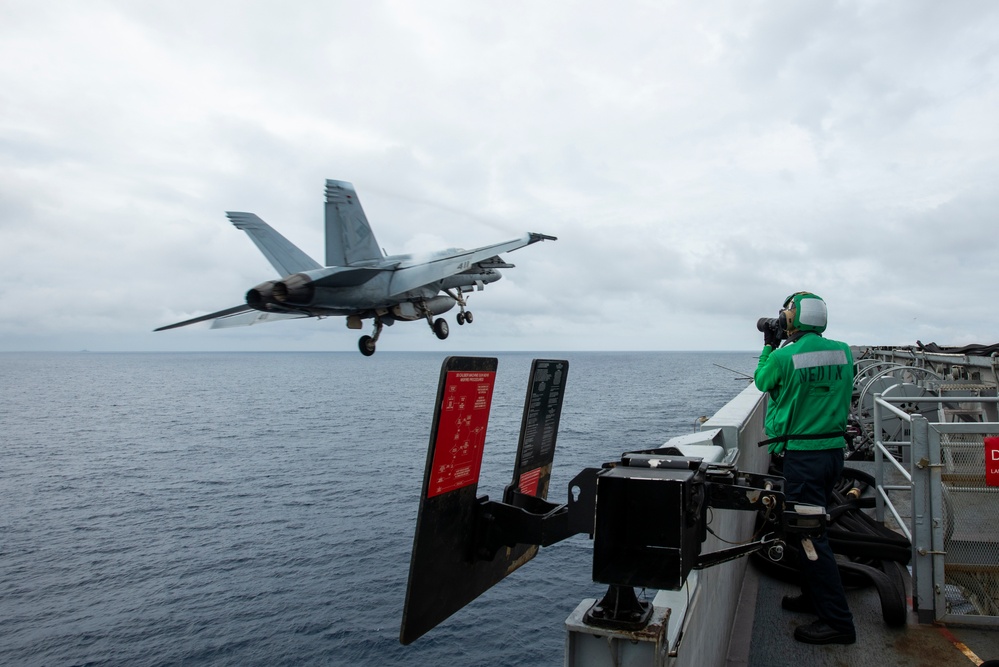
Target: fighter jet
x,y
359,281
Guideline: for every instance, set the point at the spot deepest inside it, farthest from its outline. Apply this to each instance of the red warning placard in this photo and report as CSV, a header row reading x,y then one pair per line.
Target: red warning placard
x,y
529,482
461,431
992,461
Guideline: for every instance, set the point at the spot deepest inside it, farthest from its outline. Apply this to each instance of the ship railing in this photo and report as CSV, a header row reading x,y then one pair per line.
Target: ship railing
x,y
952,510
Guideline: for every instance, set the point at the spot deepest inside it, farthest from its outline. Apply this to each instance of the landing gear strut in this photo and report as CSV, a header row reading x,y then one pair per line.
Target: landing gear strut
x,y
366,344
438,326
464,315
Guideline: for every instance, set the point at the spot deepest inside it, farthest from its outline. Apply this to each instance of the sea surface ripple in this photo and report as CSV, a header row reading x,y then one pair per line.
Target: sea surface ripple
x,y
259,508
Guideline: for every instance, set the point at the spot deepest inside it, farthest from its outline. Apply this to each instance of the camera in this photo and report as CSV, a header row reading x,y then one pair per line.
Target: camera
x,y
771,325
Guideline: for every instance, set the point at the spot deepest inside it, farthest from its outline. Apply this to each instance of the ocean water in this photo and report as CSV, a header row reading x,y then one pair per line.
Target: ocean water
x,y
259,508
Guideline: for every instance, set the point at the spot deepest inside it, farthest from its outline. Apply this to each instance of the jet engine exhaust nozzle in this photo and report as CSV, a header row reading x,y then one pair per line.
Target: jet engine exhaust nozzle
x,y
297,289
261,295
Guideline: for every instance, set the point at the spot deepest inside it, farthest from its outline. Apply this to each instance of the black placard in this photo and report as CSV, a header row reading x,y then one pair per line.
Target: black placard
x,y
539,428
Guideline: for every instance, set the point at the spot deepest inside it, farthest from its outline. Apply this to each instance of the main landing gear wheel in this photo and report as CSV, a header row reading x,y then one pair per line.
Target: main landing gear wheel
x,y
440,328
366,344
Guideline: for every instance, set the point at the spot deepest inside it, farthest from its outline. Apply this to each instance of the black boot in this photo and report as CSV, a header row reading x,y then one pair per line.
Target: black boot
x,y
820,633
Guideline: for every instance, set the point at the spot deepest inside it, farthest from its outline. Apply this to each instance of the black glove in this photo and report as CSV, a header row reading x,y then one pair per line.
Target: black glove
x,y
770,338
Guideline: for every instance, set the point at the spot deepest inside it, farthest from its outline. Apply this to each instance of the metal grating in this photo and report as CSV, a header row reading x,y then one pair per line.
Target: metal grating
x,y
971,540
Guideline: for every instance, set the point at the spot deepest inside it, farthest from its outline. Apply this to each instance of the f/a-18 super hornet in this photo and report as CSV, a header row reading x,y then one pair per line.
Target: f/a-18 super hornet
x,y
359,281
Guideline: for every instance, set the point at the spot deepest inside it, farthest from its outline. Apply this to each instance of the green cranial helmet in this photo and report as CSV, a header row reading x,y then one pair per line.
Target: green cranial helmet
x,y
809,311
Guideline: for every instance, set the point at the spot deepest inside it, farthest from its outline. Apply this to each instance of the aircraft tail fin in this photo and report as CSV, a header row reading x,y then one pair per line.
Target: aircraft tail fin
x,y
349,238
283,255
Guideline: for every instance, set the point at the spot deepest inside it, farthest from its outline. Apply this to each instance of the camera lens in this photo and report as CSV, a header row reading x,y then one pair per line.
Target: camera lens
x,y
766,323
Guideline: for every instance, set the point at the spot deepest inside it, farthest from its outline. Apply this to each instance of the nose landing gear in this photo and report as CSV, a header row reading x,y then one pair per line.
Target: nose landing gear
x,y
464,315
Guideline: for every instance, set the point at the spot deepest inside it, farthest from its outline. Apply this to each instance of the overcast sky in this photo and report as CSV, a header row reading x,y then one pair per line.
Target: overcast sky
x,y
697,161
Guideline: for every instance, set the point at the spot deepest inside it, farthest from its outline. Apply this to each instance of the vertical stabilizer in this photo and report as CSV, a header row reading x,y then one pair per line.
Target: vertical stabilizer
x,y
348,236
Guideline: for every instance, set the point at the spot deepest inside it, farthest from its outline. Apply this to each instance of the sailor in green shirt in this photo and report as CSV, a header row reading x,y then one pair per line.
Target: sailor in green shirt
x,y
810,383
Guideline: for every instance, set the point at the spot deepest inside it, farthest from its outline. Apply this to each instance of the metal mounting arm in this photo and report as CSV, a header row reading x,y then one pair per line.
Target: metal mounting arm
x,y
531,520
728,488
770,541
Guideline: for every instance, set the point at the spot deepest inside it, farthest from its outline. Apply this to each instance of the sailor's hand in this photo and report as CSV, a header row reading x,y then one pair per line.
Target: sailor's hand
x,y
769,338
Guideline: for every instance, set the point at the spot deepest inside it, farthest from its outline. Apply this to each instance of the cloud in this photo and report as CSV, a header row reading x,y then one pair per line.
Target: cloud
x,y
696,163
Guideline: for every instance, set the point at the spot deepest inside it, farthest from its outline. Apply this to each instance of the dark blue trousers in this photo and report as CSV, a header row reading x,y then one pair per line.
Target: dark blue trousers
x,y
810,477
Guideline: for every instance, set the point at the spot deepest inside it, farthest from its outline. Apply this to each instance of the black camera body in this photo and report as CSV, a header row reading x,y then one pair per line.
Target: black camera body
x,y
773,326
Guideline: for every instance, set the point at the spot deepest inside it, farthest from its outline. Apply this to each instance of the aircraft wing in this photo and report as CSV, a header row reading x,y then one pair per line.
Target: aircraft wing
x,y
283,255
410,275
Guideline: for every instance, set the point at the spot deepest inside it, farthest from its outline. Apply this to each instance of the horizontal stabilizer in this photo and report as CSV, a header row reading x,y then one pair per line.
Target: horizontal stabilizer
x,y
237,316
283,255
228,312
253,317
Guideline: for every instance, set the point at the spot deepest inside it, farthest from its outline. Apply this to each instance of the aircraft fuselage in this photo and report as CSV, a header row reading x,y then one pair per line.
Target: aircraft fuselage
x,y
337,291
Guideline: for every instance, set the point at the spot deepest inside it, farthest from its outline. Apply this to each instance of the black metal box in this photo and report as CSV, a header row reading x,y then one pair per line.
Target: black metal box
x,y
646,532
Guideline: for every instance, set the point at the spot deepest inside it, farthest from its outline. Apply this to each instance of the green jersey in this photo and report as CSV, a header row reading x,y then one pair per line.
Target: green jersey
x,y
810,382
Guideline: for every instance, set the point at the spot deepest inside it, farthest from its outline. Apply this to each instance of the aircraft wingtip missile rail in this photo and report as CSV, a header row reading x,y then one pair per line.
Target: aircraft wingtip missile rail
x,y
535,237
